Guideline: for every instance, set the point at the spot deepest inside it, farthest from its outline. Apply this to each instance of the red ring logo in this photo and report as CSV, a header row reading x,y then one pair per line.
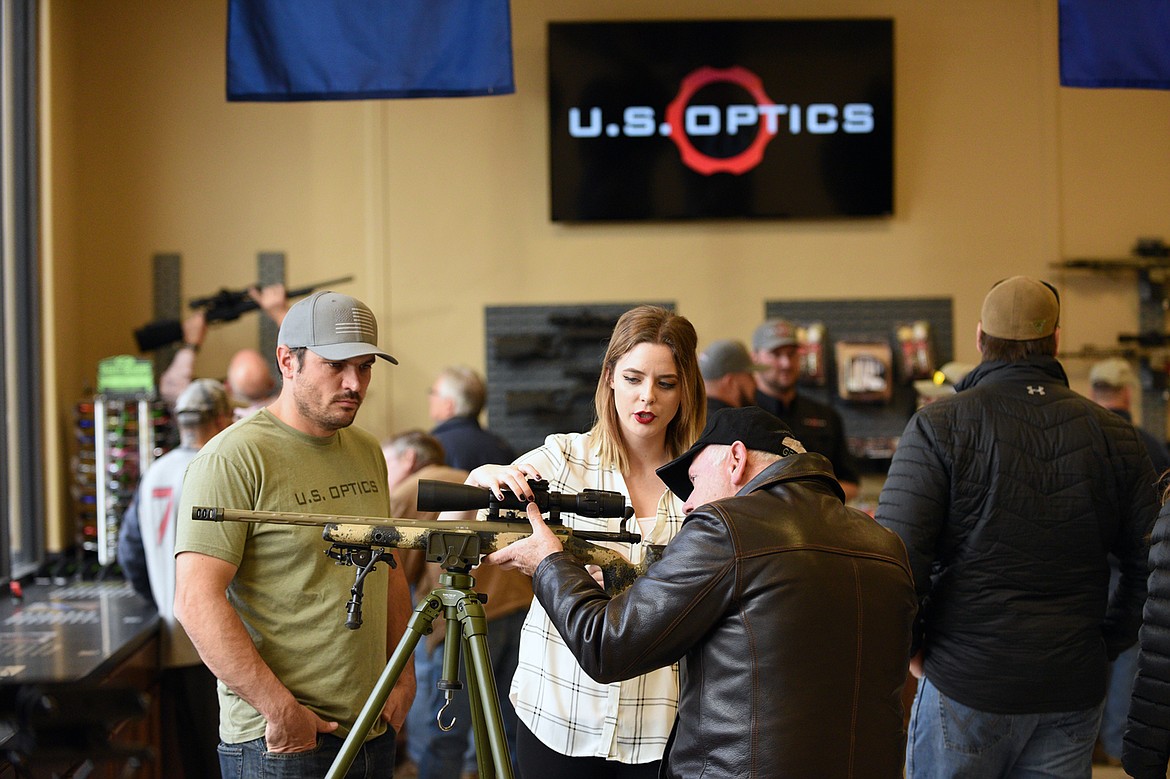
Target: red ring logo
x,y
697,160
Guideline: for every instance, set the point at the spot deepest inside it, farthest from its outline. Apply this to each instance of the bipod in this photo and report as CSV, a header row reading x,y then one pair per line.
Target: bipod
x,y
456,601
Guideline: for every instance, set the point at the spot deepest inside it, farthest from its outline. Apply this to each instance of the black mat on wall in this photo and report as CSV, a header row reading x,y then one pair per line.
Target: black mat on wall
x,y
542,367
870,427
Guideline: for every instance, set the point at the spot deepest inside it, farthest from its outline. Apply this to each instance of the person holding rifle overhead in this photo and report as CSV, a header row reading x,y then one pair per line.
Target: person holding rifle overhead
x,y
272,299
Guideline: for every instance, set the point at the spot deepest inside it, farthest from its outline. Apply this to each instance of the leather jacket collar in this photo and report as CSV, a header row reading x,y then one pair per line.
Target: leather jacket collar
x,y
808,466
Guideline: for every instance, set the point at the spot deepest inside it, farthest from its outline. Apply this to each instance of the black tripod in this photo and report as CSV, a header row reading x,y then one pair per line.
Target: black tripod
x,y
456,601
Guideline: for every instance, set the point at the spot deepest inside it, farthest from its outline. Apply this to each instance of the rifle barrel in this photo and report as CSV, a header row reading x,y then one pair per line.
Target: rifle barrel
x,y
245,303
302,291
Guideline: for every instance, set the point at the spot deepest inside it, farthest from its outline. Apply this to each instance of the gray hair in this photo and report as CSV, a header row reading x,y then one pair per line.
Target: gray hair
x,y
427,449
465,388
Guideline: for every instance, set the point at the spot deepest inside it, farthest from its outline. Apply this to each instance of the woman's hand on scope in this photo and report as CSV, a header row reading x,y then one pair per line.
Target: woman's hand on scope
x,y
513,478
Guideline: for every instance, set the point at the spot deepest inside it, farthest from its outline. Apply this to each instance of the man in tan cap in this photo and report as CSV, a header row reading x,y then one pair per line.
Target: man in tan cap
x,y
262,603
1009,496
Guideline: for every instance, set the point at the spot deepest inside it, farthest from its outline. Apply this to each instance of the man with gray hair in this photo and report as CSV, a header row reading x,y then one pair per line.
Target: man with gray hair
x,y
146,553
457,398
1010,495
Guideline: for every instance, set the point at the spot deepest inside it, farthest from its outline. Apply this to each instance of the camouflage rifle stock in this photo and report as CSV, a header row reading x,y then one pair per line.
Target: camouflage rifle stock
x,y
457,545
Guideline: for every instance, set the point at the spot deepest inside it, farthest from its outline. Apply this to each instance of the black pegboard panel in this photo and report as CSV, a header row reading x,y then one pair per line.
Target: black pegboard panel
x,y
872,429
269,270
166,276
542,367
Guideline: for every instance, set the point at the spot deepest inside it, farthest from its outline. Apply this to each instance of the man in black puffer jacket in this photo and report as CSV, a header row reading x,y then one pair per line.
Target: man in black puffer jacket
x,y
793,613
1009,496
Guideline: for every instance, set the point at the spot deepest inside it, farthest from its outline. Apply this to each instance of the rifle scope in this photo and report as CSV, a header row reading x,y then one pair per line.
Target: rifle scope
x,y
445,496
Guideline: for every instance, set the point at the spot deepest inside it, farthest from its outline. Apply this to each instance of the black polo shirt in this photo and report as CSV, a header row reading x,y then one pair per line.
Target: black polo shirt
x,y
818,427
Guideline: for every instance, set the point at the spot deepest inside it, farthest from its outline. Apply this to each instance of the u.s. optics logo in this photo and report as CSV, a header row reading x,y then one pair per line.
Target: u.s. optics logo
x,y
691,126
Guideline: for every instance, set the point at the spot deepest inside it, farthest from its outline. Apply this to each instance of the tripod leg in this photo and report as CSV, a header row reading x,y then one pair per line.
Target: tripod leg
x,y
418,626
483,758
486,715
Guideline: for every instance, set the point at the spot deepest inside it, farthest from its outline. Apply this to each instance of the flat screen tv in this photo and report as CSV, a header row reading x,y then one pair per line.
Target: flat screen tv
x,y
721,119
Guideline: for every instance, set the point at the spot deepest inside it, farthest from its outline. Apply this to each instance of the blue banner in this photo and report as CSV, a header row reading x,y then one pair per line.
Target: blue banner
x,y
281,50
1115,43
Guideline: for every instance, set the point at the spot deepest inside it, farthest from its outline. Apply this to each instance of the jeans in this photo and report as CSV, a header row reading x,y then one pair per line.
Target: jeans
x,y
948,739
1122,672
438,754
250,760
1119,690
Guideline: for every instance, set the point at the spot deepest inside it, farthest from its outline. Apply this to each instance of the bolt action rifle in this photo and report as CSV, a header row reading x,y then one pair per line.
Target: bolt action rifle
x,y
224,306
459,545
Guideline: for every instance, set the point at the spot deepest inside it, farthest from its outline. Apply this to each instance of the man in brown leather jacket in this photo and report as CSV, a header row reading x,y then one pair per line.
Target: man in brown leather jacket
x,y
792,611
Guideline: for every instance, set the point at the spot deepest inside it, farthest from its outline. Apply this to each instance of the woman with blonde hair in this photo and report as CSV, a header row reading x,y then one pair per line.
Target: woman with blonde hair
x,y
651,406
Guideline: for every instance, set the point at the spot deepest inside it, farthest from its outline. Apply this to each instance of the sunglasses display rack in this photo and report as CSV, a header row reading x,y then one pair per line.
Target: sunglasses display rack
x,y
118,438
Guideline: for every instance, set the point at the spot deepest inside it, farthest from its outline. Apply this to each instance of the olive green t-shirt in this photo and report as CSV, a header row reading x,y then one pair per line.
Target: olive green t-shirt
x,y
290,596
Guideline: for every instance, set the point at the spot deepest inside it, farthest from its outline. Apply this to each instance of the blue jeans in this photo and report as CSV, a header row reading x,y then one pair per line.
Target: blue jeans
x,y
250,760
438,754
1119,690
1122,672
948,739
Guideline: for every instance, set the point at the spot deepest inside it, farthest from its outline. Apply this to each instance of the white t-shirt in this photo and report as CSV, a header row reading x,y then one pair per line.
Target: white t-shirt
x,y
158,510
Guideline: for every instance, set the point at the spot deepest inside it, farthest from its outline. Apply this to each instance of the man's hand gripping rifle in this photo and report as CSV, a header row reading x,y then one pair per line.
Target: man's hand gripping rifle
x,y
459,545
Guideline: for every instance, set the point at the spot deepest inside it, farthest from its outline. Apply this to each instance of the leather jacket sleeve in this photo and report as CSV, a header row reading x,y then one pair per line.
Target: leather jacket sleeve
x,y
654,622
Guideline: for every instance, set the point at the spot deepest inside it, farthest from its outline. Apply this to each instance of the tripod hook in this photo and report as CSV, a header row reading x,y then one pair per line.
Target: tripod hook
x,y
439,716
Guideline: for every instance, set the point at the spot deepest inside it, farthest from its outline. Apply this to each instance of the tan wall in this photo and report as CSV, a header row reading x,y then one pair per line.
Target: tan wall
x,y
439,207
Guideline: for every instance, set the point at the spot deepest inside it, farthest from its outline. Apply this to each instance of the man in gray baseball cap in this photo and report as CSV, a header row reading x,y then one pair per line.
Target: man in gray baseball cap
x,y
292,673
776,349
333,326
727,371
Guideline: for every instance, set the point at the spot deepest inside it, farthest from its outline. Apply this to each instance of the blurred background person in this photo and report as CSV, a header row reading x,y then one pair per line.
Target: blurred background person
x,y
457,398
272,300
1145,747
1111,384
146,552
728,375
817,426
447,754
251,383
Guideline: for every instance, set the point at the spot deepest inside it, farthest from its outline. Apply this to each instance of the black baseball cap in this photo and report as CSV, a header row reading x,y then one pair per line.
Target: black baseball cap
x,y
755,428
